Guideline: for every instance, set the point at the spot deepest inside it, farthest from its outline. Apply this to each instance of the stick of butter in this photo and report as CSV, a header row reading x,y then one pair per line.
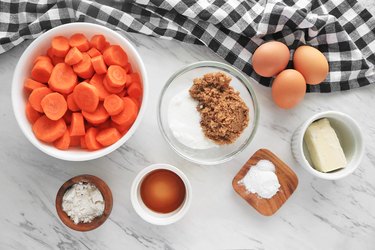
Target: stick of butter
x,y
324,147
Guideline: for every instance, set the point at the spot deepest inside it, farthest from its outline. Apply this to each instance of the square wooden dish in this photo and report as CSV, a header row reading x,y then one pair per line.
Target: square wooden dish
x,y
287,178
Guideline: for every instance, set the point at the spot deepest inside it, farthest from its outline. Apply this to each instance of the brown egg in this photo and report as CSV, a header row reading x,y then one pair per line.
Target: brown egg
x,y
311,63
163,191
270,58
288,88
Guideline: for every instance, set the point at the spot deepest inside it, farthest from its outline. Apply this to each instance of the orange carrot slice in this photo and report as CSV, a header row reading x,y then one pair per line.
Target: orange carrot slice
x,y
84,68
86,97
111,89
83,142
128,114
54,106
93,52
63,142
47,130
36,97
60,46
31,114
56,60
79,41
120,128
113,104
98,42
116,76
30,85
72,106
41,71
74,56
135,90
115,55
77,126
132,78
90,139
41,58
97,117
99,64
97,81
108,136
68,117
75,141
63,79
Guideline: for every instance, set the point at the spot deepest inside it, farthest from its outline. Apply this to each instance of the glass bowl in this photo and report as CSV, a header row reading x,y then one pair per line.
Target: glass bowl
x,y
183,80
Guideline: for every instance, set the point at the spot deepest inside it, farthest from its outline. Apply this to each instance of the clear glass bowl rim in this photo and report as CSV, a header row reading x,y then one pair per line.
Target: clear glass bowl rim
x,y
235,72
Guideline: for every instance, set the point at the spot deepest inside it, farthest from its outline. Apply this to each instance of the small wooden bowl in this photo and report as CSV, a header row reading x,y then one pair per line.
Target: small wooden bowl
x,y
107,196
287,178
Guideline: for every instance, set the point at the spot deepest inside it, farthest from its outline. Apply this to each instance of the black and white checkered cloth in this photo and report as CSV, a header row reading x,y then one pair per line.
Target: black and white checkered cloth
x,y
342,29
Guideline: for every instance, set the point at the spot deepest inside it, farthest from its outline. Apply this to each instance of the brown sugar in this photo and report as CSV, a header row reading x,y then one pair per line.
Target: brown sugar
x,y
224,115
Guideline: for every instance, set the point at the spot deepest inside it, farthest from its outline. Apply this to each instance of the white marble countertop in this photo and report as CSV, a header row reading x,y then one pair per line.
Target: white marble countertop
x,y
319,215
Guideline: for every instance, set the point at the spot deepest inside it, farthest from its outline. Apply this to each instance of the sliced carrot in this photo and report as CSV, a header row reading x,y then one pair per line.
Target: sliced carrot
x,y
36,97
74,56
50,53
108,136
135,90
99,64
54,106
60,46
86,97
128,68
41,71
97,117
137,101
30,85
113,104
106,45
116,76
63,79
77,126
115,55
111,89
75,141
90,139
63,142
132,78
31,114
56,60
68,117
120,128
47,130
93,52
79,41
98,42
72,106
83,142
84,68
41,58
97,81
128,114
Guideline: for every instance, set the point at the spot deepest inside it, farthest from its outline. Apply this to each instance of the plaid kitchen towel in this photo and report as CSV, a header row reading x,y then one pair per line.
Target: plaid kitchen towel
x,y
342,29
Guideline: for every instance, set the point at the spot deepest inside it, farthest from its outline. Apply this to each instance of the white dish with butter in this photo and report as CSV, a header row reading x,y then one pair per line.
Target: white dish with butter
x,y
351,141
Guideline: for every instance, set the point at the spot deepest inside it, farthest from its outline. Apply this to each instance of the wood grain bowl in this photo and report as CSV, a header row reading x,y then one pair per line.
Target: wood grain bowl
x,y
98,221
287,178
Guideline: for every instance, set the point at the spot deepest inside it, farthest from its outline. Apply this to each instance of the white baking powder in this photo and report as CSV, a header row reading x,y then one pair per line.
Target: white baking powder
x,y
261,180
184,121
83,202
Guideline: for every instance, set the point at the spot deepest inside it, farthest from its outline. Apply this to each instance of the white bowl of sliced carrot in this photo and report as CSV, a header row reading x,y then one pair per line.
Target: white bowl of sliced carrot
x,y
79,91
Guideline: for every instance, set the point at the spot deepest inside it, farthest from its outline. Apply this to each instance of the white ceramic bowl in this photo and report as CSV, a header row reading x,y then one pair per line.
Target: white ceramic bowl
x,y
149,215
350,137
39,47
